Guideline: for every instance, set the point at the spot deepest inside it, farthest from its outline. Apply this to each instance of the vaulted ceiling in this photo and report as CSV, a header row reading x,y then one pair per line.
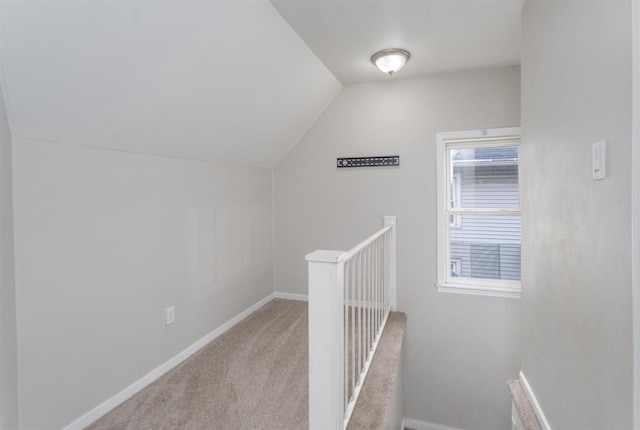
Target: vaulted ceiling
x,y
227,81
231,81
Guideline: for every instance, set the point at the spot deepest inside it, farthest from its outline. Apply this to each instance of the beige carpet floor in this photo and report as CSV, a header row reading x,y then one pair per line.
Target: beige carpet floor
x,y
255,376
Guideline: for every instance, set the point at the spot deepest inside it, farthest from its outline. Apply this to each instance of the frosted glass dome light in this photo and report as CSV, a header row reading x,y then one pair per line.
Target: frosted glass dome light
x,y
390,60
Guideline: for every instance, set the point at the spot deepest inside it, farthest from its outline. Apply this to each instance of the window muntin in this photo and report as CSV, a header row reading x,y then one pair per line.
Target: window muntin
x,y
479,246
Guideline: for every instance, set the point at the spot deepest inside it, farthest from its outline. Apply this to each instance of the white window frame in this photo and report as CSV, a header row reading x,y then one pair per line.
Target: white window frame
x,y
446,283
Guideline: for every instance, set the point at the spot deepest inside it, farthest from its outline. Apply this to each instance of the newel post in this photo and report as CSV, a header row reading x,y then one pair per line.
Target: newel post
x,y
391,220
326,340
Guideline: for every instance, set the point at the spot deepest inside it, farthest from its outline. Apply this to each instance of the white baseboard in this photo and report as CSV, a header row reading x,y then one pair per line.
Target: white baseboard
x,y
424,425
150,377
534,402
291,296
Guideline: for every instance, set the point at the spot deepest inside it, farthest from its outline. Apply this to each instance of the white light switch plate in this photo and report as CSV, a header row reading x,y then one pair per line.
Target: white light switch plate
x,y
170,315
600,159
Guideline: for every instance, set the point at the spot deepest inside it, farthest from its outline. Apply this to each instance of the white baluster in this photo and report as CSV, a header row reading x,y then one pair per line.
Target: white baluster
x,y
391,220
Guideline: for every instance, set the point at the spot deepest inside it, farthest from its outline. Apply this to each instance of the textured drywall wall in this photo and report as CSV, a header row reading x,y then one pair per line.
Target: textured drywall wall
x,y
459,349
104,242
8,339
576,90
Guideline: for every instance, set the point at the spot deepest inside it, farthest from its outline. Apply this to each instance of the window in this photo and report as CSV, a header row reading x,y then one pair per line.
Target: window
x,y
479,212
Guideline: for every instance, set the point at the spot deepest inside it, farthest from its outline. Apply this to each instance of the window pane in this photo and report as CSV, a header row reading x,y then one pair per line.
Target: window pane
x,y
484,177
486,246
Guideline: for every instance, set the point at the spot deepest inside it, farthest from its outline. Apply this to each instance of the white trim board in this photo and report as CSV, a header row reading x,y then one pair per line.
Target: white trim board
x,y
291,296
635,207
534,403
150,377
424,425
470,290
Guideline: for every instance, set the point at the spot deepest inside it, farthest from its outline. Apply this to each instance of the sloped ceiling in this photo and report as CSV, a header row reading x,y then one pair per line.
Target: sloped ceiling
x,y
228,81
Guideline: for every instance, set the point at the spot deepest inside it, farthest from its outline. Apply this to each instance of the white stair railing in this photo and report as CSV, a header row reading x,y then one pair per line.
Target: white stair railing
x,y
350,296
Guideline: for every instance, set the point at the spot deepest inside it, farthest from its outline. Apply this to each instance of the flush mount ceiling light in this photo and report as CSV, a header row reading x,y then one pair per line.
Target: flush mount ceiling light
x,y
390,60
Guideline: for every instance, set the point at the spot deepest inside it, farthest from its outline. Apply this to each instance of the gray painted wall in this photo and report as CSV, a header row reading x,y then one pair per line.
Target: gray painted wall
x,y
104,242
576,298
8,342
460,350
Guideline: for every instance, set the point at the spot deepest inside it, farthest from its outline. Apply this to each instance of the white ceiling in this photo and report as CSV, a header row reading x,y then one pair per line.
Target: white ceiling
x,y
442,35
224,80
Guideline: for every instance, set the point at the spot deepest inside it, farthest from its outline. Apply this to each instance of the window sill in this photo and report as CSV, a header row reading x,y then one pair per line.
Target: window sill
x,y
510,293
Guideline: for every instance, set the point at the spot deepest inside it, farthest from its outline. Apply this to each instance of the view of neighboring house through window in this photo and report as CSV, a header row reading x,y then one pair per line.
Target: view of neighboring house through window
x,y
479,197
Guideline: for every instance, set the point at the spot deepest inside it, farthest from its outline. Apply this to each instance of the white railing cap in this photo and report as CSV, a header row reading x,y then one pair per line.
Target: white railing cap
x,y
353,251
324,256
